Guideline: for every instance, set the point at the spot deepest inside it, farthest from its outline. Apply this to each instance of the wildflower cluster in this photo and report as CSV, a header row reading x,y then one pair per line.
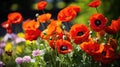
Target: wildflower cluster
x,y
53,46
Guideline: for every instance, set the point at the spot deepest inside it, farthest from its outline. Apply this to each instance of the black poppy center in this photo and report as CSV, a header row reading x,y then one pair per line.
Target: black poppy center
x,y
63,47
97,22
104,53
80,33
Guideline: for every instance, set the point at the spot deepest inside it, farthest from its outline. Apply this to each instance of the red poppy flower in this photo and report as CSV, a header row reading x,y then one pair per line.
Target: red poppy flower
x,y
67,14
44,17
63,46
75,8
94,3
108,55
32,34
41,5
9,30
119,22
7,25
30,25
79,33
98,22
113,28
112,43
64,35
102,33
52,39
15,17
52,43
92,48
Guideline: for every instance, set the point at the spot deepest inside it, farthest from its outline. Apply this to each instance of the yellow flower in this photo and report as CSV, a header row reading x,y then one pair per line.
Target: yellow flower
x,y
30,42
21,35
8,47
33,41
19,49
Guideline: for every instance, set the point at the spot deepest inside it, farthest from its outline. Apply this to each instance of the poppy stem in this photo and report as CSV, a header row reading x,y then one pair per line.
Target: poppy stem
x,y
70,60
98,36
97,10
43,11
43,27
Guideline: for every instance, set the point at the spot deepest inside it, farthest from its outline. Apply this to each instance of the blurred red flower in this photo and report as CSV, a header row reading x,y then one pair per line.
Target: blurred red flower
x,y
108,55
15,17
7,25
59,36
32,34
63,46
98,22
52,43
92,48
112,42
94,3
79,33
69,13
114,27
41,5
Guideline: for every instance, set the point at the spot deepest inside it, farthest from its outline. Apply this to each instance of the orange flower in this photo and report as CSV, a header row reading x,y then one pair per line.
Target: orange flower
x,y
32,34
98,22
113,28
15,17
63,46
44,17
7,25
91,48
41,5
30,25
53,29
94,3
68,13
79,33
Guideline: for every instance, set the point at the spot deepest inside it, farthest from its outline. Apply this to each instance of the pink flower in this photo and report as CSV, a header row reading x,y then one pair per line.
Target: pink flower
x,y
37,52
1,64
2,44
19,40
26,59
1,51
19,60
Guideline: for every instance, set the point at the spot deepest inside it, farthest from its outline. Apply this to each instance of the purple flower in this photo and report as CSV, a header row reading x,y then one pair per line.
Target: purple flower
x,y
1,64
19,60
1,51
11,36
37,52
2,44
26,59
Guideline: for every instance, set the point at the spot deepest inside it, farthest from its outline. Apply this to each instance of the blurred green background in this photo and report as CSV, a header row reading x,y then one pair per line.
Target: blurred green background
x,y
110,8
